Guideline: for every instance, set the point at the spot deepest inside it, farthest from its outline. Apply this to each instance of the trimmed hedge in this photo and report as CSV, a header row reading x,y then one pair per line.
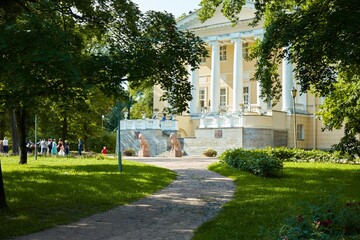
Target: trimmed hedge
x,y
269,161
258,162
301,155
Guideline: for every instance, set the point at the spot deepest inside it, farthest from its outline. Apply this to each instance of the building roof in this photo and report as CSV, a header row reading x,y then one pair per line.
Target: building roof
x,y
192,23
218,27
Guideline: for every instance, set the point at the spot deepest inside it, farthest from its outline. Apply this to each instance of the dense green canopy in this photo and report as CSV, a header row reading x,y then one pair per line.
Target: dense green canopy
x,y
62,51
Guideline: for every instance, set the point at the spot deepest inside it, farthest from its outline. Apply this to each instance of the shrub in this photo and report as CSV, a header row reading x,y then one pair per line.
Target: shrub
x,y
210,153
296,155
258,162
129,152
327,221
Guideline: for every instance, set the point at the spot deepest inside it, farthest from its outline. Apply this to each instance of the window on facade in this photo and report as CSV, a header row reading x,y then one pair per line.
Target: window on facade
x,y
202,98
246,96
203,60
300,132
222,53
245,50
223,97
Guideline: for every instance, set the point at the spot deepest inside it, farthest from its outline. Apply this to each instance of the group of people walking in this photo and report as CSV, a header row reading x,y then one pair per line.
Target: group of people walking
x,y
49,147
60,148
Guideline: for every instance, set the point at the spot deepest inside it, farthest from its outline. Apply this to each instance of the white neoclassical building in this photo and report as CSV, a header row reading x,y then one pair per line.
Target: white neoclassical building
x,y
227,111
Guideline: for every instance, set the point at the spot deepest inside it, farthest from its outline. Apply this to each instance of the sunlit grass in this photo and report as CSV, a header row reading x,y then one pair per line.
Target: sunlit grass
x,y
50,191
262,204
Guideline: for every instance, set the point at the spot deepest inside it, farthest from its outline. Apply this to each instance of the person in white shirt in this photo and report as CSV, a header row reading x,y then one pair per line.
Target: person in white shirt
x,y
5,145
43,146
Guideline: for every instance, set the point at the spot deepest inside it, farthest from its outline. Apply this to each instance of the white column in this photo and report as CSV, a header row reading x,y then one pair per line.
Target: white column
x,y
302,99
259,101
287,84
215,77
194,103
238,73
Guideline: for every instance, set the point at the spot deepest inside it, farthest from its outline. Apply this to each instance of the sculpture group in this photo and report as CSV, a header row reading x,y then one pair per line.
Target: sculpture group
x,y
175,150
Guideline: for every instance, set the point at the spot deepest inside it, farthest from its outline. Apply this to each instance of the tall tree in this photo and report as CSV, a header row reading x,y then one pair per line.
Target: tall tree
x,y
47,53
36,58
320,37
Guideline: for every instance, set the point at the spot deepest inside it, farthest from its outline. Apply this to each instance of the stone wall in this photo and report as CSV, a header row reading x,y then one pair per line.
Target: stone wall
x,y
258,138
217,139
280,138
206,138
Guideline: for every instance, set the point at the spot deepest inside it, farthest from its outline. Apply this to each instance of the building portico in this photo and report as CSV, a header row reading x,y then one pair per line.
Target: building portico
x,y
219,90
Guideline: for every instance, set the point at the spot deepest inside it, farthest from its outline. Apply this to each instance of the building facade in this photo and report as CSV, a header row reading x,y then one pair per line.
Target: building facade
x,y
227,110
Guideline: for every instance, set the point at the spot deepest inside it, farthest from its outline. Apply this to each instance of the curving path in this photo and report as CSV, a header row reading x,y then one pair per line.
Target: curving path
x,y
172,213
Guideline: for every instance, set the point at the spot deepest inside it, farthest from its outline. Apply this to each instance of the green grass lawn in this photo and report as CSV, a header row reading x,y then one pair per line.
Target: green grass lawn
x,y
51,191
262,204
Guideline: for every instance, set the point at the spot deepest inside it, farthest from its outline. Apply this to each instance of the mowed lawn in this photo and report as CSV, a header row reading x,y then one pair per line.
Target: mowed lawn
x,y
50,191
261,205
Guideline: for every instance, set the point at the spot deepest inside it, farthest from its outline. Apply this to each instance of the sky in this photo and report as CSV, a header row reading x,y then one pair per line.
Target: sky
x,y
176,7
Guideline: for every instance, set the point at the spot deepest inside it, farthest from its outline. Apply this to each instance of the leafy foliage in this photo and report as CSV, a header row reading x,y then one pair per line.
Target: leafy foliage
x,y
268,161
129,152
253,161
108,139
301,155
142,103
327,221
63,51
321,39
341,109
310,35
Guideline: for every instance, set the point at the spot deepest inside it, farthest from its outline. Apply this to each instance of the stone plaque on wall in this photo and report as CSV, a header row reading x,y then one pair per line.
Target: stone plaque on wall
x,y
218,134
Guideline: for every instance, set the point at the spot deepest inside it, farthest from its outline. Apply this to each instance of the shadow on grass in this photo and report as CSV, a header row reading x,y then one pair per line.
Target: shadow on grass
x,y
266,202
44,196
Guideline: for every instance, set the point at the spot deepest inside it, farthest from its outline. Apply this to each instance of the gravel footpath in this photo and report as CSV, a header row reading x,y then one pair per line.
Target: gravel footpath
x,y
171,213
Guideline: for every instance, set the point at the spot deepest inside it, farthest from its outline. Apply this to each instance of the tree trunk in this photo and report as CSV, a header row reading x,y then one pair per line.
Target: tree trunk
x,y
2,125
21,115
85,143
64,128
3,204
14,132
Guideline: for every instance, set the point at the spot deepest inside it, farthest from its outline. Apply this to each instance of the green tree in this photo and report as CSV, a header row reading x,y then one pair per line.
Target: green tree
x,y
341,108
36,58
320,38
143,103
50,52
81,113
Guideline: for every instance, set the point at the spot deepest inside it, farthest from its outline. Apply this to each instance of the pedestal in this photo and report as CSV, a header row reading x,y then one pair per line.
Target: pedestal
x,y
175,153
144,153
